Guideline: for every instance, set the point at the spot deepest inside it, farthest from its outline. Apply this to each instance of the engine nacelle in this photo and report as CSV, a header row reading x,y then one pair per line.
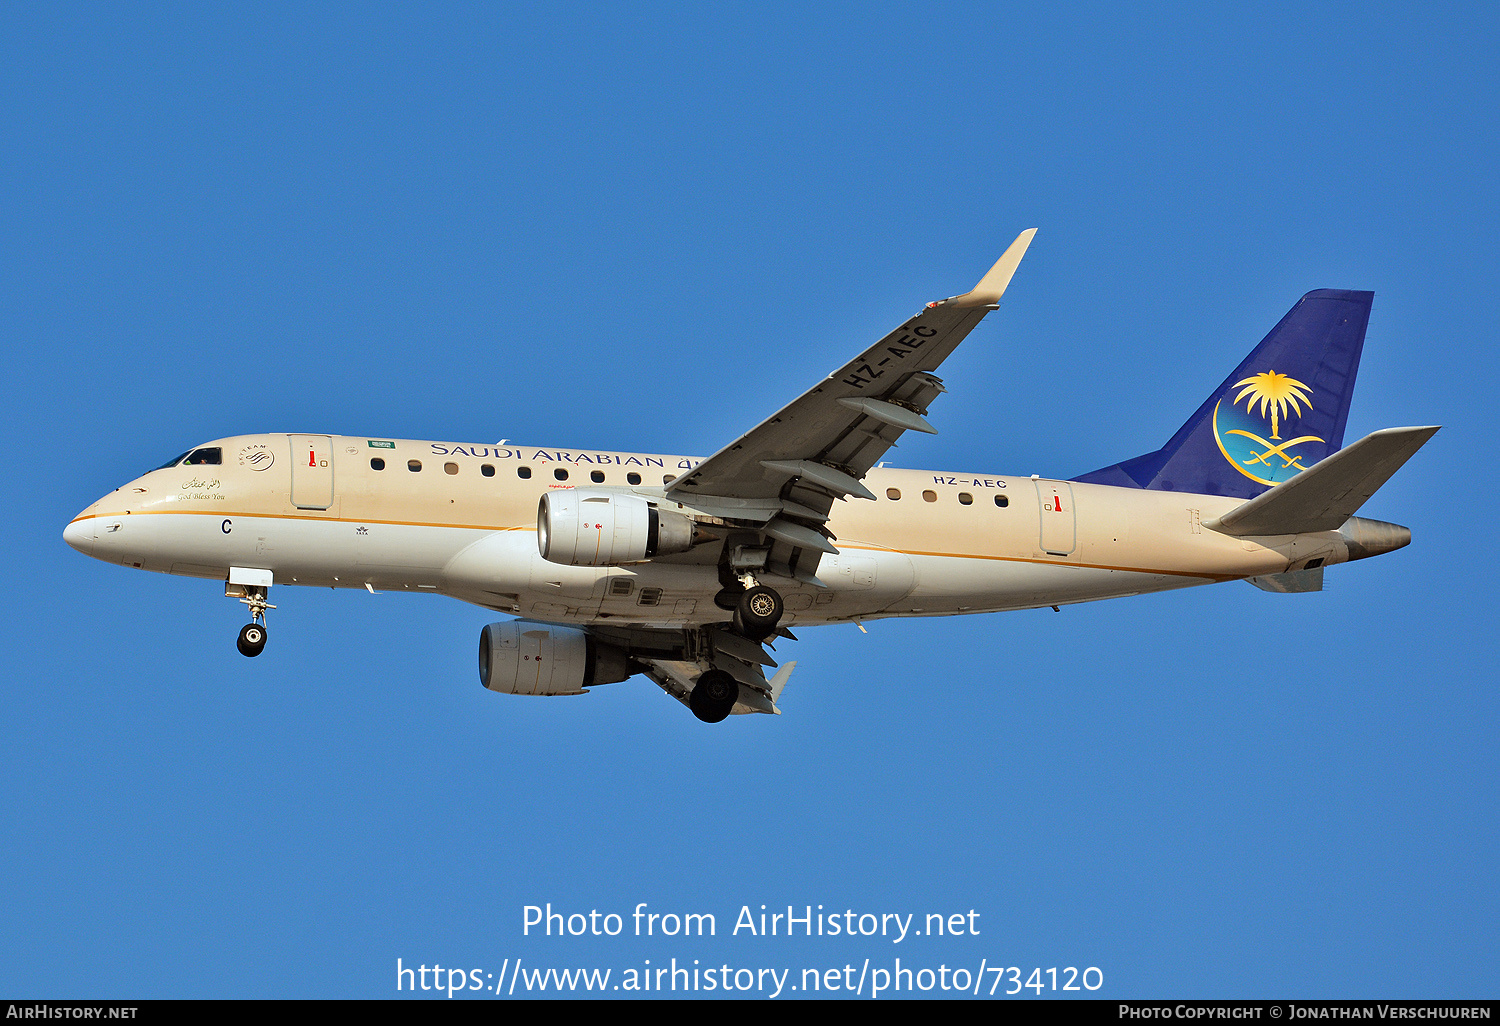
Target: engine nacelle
x,y
580,527
522,657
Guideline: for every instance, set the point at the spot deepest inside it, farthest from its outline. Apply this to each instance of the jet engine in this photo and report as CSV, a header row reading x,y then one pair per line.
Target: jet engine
x,y
522,657
579,527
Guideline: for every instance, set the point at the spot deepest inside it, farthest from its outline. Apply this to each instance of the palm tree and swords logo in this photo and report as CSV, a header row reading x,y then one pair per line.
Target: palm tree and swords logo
x,y
1267,460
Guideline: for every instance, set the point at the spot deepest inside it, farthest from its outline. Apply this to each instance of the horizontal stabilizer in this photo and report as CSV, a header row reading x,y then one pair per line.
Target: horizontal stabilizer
x,y
1329,492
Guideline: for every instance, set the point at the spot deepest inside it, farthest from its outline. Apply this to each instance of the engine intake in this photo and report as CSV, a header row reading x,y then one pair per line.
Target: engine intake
x,y
523,657
580,527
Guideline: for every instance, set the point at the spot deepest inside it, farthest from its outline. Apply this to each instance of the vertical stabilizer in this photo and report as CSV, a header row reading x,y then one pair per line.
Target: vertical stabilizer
x,y
1278,413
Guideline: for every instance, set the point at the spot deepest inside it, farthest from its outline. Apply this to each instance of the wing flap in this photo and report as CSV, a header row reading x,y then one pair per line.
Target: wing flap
x,y
743,649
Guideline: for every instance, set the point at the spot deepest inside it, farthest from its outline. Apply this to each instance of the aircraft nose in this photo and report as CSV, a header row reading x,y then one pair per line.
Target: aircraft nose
x,y
80,535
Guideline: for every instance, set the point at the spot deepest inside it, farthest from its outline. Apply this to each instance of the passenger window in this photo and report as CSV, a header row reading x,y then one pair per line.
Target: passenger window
x,y
488,470
450,468
965,499
668,478
1002,501
893,493
415,466
633,478
929,496
211,457
560,474
597,477
376,463
523,472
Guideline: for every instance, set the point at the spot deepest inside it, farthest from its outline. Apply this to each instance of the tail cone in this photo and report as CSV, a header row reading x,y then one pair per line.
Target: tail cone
x,y
1367,538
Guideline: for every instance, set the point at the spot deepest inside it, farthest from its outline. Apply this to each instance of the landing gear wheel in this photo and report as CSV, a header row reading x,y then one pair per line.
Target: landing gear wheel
x,y
758,613
252,639
253,635
714,696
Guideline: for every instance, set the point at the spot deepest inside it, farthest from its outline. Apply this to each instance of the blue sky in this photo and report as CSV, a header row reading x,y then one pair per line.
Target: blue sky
x,y
646,227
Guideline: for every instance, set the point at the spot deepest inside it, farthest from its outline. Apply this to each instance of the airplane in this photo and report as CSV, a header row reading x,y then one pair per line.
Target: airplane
x,y
688,570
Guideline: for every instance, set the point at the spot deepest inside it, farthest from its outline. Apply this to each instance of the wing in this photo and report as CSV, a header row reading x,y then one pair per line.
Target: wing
x,y
783,476
675,659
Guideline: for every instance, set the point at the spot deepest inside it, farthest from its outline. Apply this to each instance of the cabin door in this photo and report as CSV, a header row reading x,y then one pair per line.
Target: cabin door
x,y
1059,520
312,471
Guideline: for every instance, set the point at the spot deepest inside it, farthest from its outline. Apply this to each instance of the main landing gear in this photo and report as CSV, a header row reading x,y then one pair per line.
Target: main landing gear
x,y
252,637
758,612
757,609
713,697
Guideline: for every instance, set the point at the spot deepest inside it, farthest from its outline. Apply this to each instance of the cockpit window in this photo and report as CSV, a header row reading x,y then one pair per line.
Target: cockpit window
x,y
210,457
173,461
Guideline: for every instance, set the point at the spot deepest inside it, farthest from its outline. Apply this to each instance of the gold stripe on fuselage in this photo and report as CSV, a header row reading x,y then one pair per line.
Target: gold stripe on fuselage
x,y
1117,529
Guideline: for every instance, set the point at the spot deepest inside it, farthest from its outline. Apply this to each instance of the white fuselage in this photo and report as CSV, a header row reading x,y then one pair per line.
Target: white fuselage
x,y
460,520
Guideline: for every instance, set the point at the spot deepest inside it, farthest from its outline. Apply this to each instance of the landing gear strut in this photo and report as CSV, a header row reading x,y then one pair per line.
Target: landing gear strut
x,y
714,696
252,637
758,612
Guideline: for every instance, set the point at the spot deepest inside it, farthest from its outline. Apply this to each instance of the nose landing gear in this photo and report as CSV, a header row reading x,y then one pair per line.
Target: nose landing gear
x,y
252,639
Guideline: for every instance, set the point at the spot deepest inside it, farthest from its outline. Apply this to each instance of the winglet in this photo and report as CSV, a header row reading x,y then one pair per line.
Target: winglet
x,y
992,286
779,681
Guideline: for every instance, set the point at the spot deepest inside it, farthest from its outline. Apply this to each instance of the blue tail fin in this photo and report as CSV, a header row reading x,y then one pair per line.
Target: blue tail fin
x,y
1282,410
